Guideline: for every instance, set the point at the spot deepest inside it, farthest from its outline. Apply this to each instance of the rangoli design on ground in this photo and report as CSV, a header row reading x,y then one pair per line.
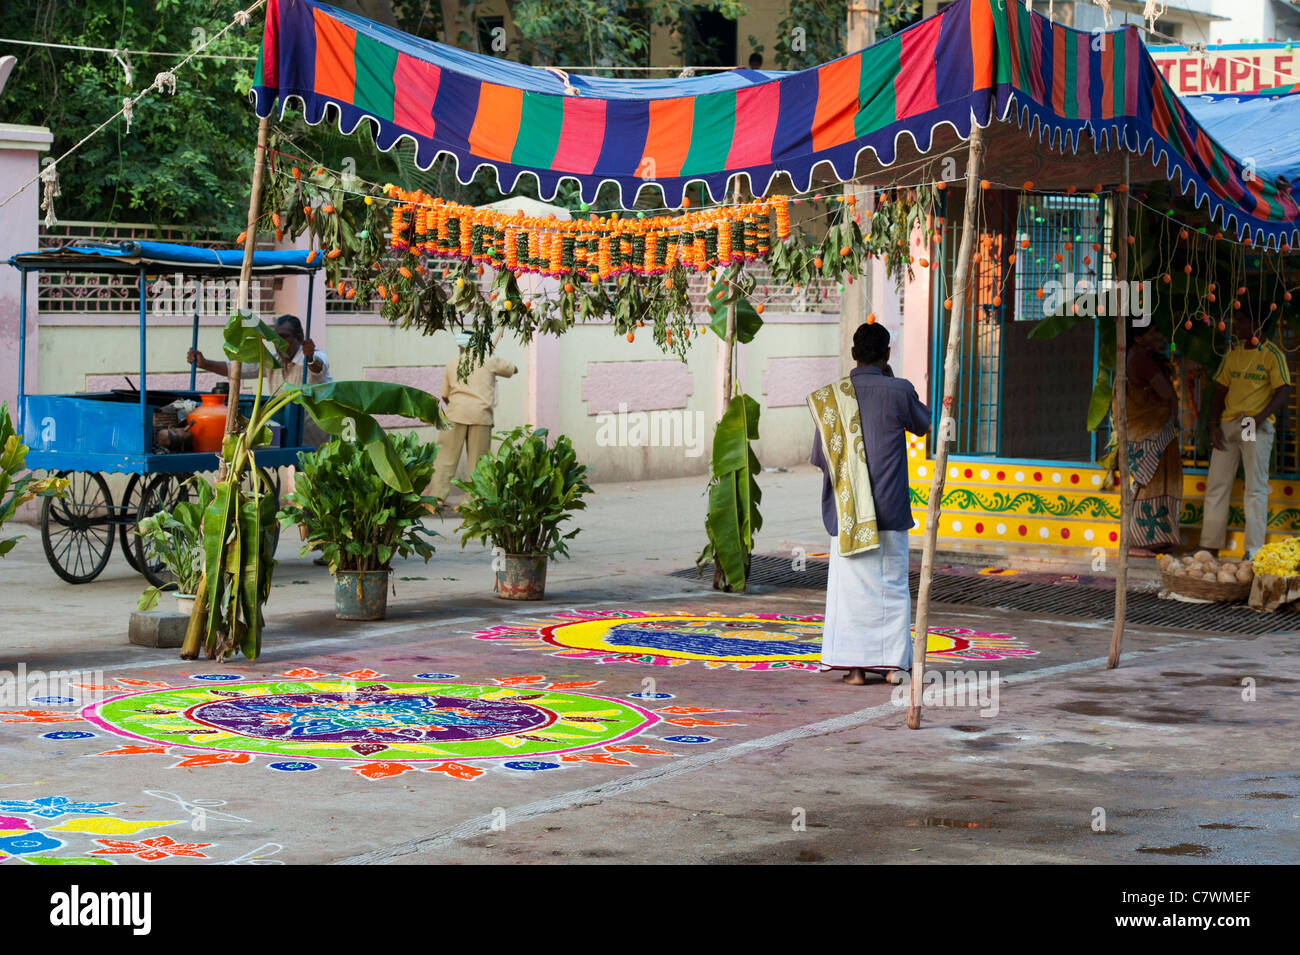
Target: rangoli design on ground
x,y
376,721
742,641
36,832
359,721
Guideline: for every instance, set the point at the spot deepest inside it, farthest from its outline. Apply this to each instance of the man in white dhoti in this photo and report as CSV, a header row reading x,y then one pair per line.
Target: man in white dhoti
x,y
861,446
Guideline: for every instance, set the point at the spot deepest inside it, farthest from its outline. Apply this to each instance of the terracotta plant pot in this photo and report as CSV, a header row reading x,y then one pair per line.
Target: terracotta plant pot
x,y
361,594
523,577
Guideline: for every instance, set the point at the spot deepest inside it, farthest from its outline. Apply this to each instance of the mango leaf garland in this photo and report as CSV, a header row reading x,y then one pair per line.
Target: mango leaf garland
x,y
433,264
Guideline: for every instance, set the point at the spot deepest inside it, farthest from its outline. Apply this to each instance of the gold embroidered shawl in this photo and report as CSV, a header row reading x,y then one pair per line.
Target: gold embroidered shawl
x,y
835,410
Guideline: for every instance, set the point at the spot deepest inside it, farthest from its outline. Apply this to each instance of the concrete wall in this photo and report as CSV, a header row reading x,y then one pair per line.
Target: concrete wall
x,y
567,384
20,151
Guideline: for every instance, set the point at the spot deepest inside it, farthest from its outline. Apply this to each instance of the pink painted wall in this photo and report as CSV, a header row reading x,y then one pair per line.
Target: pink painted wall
x,y
787,382
544,383
639,385
164,381
915,329
20,151
291,297
426,378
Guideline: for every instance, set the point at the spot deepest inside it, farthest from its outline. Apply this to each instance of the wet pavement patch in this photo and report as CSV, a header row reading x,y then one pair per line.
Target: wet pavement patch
x,y
1182,849
1224,825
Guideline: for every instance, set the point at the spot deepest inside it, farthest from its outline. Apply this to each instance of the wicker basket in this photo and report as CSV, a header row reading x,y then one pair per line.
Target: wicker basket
x,y
1206,589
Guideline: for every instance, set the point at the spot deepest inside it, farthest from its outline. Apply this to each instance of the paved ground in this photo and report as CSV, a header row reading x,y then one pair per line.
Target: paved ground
x,y
1184,754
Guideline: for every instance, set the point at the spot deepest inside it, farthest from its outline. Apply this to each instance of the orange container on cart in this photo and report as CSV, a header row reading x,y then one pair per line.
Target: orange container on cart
x,y
208,422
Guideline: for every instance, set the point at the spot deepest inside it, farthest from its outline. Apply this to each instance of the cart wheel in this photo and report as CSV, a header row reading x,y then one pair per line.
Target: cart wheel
x,y
77,530
162,493
130,516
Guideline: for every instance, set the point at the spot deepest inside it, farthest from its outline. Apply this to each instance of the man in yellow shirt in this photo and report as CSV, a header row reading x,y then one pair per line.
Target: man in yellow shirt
x,y
469,404
1253,383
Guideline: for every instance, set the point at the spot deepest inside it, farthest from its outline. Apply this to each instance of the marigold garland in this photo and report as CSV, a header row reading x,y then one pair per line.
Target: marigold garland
x,y
598,247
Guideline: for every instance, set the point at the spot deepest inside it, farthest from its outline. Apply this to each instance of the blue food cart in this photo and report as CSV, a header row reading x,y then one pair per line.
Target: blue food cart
x,y
84,436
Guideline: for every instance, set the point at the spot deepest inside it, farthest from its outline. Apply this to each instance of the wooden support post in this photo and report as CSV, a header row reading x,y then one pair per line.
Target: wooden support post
x,y
246,271
727,357
1119,413
855,301
946,424
726,383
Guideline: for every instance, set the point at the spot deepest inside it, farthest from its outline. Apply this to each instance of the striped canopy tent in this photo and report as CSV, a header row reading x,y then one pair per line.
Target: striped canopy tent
x,y
1063,106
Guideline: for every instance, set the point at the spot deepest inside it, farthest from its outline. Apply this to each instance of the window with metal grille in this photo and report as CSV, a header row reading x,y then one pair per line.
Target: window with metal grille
x,y
1059,239
1022,397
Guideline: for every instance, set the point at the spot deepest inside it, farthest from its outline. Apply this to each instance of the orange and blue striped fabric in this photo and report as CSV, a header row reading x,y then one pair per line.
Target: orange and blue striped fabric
x,y
980,59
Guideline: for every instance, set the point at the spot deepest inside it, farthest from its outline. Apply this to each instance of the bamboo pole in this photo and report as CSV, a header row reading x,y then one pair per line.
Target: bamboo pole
x,y
951,369
1119,404
726,384
245,273
729,343
855,302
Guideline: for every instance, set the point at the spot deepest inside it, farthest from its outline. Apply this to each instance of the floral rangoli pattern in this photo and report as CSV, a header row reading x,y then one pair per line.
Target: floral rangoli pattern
x,y
741,641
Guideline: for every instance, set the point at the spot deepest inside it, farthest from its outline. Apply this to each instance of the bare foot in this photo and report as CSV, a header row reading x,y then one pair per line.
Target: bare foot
x,y
855,677
1140,552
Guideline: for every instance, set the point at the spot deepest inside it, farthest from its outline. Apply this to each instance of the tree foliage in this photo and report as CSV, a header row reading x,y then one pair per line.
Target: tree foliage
x,y
814,31
176,163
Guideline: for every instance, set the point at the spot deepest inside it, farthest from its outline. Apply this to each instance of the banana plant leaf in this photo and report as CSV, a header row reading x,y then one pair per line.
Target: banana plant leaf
x,y
15,490
748,321
345,408
1103,384
733,516
257,550
216,531
250,340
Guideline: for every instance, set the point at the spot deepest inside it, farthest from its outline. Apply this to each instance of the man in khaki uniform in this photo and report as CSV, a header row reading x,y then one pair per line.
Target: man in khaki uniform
x,y
469,413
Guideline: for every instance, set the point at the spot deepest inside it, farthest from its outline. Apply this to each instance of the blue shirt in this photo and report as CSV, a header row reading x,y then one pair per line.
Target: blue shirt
x,y
889,408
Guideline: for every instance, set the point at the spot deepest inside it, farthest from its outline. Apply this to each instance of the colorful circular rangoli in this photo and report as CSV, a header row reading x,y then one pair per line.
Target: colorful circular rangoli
x,y
743,641
337,719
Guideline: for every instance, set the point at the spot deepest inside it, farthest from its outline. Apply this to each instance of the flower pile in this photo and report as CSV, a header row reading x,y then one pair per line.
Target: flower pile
x,y
1279,560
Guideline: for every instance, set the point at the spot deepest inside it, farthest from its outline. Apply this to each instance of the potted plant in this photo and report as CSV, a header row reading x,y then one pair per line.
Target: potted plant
x,y
359,522
240,526
176,539
516,500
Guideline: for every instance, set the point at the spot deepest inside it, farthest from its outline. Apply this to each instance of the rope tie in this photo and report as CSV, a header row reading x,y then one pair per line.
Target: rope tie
x,y
569,88
50,188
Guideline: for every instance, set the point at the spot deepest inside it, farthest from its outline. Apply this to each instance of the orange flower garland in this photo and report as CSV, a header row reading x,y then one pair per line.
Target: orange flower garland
x,y
600,247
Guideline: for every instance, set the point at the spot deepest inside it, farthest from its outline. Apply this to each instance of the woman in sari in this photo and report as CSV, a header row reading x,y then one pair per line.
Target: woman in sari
x,y
1155,461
